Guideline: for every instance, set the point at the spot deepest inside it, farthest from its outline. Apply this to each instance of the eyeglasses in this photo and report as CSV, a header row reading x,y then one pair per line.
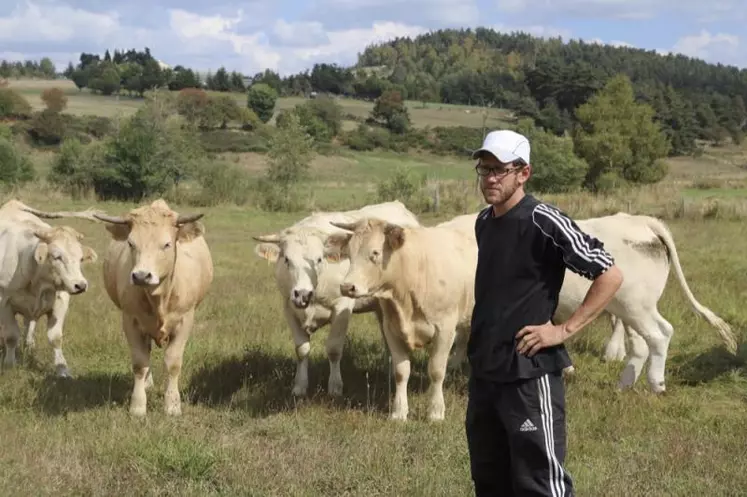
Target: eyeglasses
x,y
500,171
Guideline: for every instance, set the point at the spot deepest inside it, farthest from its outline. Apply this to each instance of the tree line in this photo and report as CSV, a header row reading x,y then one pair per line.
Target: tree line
x,y
543,79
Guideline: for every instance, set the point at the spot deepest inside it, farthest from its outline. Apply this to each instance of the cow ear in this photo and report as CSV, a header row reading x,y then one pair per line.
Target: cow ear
x,y
269,251
395,236
89,255
41,252
119,232
190,231
336,247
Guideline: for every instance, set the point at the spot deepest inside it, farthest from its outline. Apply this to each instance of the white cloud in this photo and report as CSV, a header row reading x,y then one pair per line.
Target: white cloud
x,y
720,47
30,23
534,30
204,42
626,9
445,12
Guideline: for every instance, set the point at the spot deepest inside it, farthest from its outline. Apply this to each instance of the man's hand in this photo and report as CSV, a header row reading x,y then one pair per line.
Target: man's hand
x,y
533,338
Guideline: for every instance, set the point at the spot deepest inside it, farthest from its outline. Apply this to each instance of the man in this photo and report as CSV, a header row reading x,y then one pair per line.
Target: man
x,y
515,421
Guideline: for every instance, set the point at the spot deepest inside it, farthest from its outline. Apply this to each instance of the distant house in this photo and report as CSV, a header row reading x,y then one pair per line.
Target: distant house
x,y
163,65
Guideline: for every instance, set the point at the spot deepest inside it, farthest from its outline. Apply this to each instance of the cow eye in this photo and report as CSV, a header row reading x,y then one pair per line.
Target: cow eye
x,y
319,260
166,245
376,253
130,243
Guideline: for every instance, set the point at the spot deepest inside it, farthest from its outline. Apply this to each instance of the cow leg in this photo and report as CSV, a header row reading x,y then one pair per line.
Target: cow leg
x,y
30,341
657,332
140,352
460,349
437,361
173,361
401,363
638,357
615,348
301,341
335,345
55,321
11,334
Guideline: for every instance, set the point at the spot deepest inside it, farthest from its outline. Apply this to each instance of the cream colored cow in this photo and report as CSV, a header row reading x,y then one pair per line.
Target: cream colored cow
x,y
643,249
157,270
423,278
40,270
309,285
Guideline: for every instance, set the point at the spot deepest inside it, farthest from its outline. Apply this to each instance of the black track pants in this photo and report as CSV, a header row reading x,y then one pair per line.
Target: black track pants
x,y
516,438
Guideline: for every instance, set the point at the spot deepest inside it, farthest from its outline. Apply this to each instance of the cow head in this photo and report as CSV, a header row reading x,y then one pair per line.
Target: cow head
x,y
369,245
60,254
152,233
301,251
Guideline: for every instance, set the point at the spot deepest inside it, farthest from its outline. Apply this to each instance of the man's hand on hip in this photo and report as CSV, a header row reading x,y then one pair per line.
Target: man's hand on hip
x,y
533,338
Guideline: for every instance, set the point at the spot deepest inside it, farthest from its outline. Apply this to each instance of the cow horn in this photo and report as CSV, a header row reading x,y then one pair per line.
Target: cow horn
x,y
344,226
109,219
188,218
272,238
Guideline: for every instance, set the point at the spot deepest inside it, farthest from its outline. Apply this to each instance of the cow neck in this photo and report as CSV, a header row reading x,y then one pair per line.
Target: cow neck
x,y
402,300
161,295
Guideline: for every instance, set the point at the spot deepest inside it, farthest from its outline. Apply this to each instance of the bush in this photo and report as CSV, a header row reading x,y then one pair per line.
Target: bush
x,y
149,154
13,105
220,141
15,168
191,103
75,166
48,127
555,167
55,99
390,110
223,182
289,158
261,98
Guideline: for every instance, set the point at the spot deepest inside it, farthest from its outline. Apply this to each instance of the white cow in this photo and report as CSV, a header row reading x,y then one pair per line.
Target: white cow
x,y
41,268
423,278
643,248
310,285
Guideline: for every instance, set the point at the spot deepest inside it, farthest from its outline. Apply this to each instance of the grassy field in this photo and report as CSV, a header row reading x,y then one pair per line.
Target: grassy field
x,y
242,433
85,103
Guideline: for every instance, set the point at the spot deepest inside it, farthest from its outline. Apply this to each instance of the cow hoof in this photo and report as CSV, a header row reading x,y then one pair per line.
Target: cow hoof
x,y
174,411
138,411
63,372
335,388
299,391
436,416
658,388
398,416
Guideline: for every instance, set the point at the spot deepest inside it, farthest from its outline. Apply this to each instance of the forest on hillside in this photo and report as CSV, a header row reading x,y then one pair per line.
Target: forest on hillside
x,y
542,79
545,79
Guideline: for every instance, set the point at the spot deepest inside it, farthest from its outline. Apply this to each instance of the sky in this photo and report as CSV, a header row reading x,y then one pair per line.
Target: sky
x,y
289,36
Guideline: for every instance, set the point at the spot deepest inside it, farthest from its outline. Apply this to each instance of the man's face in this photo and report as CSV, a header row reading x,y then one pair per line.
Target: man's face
x,y
498,180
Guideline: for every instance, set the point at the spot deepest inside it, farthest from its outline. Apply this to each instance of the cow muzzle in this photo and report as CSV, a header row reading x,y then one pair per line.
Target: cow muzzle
x,y
301,298
144,278
351,290
78,287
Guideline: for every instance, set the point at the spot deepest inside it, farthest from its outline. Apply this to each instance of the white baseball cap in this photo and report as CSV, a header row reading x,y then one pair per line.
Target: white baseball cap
x,y
505,145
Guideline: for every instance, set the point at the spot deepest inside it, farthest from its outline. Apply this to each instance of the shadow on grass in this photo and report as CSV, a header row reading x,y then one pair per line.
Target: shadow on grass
x,y
707,366
58,396
260,382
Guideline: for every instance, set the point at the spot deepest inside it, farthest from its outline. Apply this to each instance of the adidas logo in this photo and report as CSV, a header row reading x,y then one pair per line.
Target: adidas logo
x,y
528,426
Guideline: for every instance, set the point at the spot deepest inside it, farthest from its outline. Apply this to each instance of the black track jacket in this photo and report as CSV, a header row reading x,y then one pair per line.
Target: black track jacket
x,y
522,258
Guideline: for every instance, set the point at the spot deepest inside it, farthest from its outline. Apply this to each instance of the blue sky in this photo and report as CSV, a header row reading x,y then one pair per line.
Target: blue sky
x,y
291,35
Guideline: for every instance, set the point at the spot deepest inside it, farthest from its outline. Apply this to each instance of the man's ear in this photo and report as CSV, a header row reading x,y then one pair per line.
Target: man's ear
x,y
269,251
395,236
119,232
41,253
189,231
89,255
336,247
